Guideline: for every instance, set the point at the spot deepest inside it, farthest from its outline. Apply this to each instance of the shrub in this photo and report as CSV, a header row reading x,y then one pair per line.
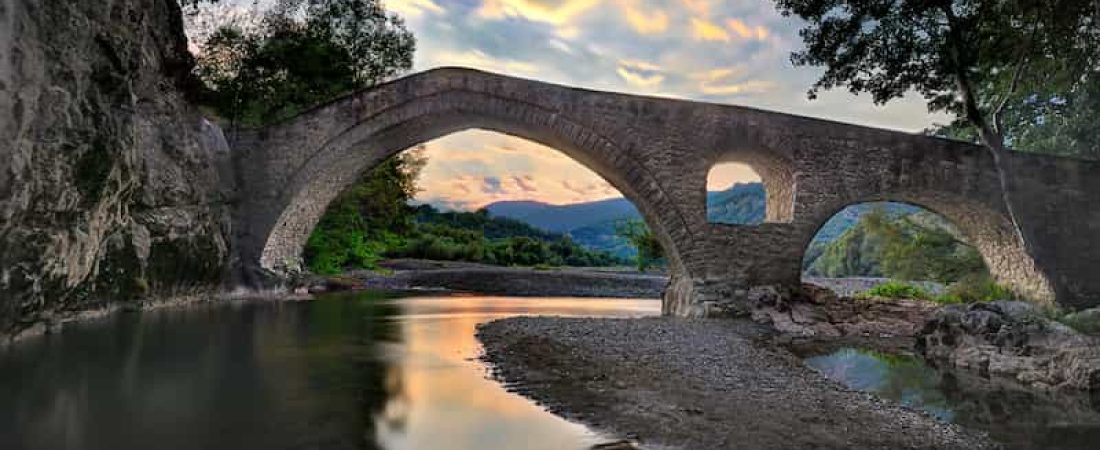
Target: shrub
x,y
1087,321
975,288
896,289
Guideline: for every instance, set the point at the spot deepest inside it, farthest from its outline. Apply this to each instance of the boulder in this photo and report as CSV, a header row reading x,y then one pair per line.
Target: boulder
x,y
1015,340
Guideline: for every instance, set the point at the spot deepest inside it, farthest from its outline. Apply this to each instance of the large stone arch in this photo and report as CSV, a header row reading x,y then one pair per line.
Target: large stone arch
x,y
988,229
657,152
307,189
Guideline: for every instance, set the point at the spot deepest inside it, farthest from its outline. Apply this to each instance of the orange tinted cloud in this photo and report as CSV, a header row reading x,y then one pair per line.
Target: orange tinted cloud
x,y
471,169
703,30
413,8
653,23
700,7
747,32
558,13
724,175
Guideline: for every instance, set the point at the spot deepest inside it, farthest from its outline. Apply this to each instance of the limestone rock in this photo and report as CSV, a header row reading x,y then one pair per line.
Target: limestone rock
x,y
1012,339
113,188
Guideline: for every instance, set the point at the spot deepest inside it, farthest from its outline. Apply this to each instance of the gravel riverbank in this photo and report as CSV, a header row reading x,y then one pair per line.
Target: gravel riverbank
x,y
700,384
406,274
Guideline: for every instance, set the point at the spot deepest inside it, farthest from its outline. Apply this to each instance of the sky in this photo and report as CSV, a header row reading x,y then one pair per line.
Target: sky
x,y
725,51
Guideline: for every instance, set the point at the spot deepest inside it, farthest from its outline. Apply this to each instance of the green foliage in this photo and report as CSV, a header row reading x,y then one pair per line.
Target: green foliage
x,y
916,249
1087,321
898,290
914,246
642,238
975,288
1017,71
301,54
367,219
479,237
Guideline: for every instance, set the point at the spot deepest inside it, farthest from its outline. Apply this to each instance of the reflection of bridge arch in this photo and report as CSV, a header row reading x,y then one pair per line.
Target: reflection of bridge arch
x,y
657,152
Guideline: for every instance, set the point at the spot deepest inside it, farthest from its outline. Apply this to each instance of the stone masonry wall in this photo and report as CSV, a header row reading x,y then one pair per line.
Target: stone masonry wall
x,y
112,188
657,152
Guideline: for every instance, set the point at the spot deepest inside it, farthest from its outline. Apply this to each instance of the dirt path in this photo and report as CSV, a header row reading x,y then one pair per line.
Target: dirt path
x,y
701,384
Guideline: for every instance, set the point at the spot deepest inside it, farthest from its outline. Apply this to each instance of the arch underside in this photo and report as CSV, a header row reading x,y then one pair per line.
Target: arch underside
x,y
989,230
340,161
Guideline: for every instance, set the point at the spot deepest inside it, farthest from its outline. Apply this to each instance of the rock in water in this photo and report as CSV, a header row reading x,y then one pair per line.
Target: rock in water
x,y
1012,339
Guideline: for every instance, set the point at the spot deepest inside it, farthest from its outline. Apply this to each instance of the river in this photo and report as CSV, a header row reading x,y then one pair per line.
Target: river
x,y
1018,417
355,371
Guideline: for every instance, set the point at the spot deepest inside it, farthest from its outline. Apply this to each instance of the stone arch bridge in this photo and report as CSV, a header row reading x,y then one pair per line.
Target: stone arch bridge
x,y
657,152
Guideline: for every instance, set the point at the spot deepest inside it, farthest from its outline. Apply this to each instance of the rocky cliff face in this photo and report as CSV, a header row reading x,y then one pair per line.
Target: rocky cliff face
x,y
112,187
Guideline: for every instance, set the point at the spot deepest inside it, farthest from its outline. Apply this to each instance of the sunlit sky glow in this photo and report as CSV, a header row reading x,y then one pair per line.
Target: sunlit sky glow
x,y
726,51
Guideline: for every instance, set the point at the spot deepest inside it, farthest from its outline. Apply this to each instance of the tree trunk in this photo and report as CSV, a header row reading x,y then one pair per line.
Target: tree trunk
x,y
990,137
994,143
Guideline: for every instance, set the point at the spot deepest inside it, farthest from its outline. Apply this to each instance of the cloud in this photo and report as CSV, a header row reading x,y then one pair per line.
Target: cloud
x,y
638,80
746,87
725,81
641,74
526,183
724,175
700,7
638,64
413,8
535,10
703,30
491,185
653,23
717,74
478,59
747,32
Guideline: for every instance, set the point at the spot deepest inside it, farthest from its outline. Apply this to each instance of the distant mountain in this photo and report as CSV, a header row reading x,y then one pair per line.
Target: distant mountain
x,y
564,218
743,203
592,224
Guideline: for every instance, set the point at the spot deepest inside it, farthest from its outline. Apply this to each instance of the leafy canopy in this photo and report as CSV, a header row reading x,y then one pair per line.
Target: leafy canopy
x,y
1023,72
642,238
301,53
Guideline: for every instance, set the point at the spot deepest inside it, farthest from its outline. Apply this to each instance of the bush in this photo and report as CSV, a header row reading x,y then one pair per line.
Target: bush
x,y
896,289
975,288
1087,321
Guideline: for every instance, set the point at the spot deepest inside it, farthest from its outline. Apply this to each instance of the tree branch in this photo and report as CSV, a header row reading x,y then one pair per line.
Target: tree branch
x,y
1021,64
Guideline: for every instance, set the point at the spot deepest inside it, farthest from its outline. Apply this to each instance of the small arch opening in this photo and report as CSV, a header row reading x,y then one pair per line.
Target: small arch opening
x,y
899,250
736,195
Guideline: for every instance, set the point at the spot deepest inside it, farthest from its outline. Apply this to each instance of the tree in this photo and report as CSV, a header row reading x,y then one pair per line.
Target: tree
x,y
995,64
372,216
642,238
301,53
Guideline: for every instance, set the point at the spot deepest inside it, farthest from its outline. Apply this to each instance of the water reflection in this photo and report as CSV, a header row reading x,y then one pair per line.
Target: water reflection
x,y
353,371
1020,418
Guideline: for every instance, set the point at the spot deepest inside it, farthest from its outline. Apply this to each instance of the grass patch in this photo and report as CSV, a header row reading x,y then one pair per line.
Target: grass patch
x,y
896,290
972,289
967,290
1087,321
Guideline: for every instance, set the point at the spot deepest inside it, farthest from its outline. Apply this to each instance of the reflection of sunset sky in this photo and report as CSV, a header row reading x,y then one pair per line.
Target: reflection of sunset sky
x,y
437,367
729,51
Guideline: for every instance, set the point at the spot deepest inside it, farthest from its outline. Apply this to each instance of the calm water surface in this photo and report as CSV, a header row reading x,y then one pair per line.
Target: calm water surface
x,y
1014,416
353,371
